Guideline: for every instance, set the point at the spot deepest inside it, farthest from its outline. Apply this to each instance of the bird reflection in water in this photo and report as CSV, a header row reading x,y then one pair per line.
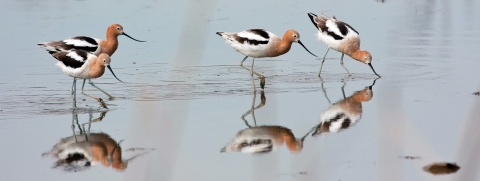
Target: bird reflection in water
x,y
85,149
345,113
263,139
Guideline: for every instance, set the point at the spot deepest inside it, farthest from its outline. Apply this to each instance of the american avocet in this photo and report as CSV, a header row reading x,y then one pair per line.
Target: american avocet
x,y
84,65
345,113
92,45
89,44
263,139
258,43
94,147
341,37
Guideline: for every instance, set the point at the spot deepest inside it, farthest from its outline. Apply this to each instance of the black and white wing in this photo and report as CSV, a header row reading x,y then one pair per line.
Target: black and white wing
x,y
253,36
73,58
338,30
88,44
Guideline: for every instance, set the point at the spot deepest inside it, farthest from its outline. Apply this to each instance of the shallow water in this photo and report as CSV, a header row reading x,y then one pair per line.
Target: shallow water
x,y
184,94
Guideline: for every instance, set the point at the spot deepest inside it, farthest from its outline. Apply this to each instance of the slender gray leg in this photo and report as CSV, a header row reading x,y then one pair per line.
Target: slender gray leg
x,y
91,83
343,90
73,91
98,99
262,78
250,111
87,131
325,94
251,68
323,60
253,109
78,124
241,63
251,75
89,122
341,62
73,125
262,103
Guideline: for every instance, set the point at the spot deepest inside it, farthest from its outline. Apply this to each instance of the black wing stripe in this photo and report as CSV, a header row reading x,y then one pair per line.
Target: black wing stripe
x,y
342,27
252,42
87,39
352,28
69,61
335,36
88,49
82,54
260,32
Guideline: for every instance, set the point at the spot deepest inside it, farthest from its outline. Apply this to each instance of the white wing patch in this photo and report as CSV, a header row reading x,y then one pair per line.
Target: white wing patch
x,y
251,36
75,56
332,27
78,42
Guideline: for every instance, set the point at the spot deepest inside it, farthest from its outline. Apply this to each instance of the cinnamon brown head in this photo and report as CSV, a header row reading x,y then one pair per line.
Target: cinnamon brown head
x,y
117,30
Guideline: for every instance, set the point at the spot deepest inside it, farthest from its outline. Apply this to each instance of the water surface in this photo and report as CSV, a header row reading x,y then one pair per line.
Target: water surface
x,y
184,94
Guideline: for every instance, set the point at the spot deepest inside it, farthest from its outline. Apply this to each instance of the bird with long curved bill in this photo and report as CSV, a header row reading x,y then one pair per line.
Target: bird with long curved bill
x,y
83,65
259,43
341,37
91,45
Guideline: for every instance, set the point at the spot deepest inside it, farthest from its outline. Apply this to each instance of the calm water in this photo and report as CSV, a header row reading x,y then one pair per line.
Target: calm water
x,y
184,94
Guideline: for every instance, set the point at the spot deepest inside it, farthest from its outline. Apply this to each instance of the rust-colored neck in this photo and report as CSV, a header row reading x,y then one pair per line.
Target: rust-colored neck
x,y
357,55
117,162
362,96
110,45
96,69
353,104
290,141
280,47
117,154
99,153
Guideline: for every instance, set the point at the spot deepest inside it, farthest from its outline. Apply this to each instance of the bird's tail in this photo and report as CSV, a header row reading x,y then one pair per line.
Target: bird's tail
x,y
50,49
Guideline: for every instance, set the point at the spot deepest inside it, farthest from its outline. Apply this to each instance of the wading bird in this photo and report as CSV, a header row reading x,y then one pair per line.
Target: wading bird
x,y
341,37
91,45
84,65
258,43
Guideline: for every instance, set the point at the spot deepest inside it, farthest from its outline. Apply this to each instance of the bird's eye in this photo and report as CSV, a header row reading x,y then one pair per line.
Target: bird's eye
x,y
104,60
294,35
118,28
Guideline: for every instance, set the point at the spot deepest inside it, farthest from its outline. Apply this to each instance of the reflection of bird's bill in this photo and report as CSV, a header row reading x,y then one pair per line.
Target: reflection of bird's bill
x,y
321,128
136,156
110,68
299,42
123,33
370,87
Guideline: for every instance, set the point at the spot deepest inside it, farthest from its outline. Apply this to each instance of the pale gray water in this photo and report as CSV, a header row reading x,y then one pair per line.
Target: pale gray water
x,y
185,93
